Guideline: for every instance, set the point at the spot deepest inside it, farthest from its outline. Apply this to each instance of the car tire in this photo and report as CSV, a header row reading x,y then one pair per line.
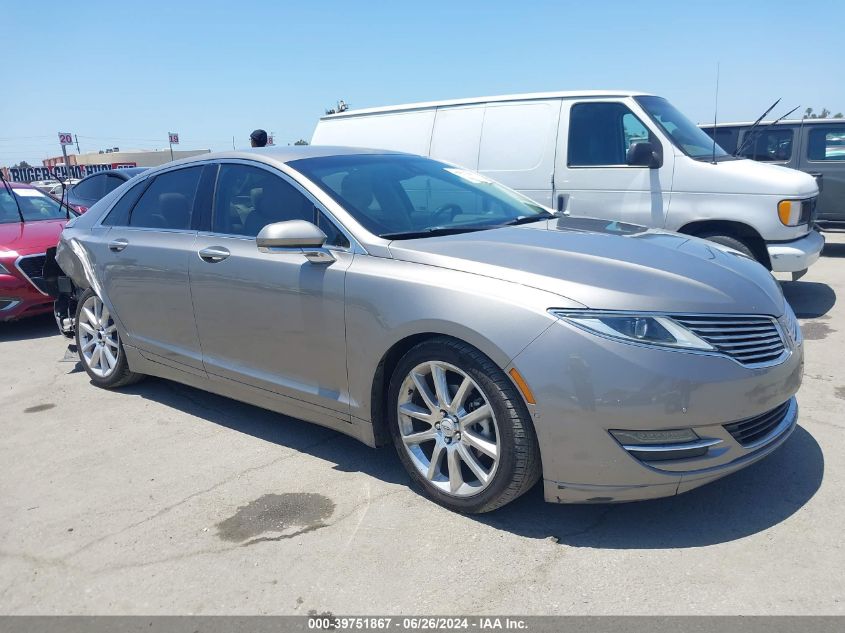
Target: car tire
x,y
99,346
469,445
731,242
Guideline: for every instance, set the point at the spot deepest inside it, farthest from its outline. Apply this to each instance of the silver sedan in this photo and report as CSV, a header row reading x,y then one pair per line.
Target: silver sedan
x,y
400,299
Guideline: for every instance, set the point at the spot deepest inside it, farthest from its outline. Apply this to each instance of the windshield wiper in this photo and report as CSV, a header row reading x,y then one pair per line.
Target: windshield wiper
x,y
436,230
527,219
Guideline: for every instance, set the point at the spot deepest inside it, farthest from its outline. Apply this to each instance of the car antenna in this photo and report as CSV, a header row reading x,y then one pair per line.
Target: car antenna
x,y
12,193
752,128
715,113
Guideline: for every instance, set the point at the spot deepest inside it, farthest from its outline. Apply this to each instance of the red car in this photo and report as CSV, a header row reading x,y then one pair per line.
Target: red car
x,y
30,223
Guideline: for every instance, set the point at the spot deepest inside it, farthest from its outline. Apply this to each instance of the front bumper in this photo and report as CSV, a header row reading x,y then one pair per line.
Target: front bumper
x,y
19,298
585,386
797,255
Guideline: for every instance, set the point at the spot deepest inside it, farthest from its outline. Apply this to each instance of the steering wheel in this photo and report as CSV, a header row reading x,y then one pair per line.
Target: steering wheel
x,y
450,208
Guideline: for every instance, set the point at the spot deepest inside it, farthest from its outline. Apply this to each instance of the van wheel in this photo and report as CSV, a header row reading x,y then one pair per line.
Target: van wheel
x,y
460,427
98,344
730,242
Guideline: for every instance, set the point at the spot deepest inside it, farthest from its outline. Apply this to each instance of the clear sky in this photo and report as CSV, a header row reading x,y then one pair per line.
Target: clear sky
x,y
124,74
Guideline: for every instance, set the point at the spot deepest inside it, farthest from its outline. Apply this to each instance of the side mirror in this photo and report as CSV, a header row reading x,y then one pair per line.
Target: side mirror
x,y
643,155
295,235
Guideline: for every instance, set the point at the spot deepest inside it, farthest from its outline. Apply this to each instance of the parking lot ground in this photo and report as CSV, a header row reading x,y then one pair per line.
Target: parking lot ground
x,y
162,499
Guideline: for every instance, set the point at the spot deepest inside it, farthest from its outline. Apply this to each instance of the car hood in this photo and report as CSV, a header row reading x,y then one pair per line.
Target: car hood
x,y
26,238
743,177
608,266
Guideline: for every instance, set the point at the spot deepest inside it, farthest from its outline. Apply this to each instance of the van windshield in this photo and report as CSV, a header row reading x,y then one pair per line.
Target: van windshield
x,y
685,134
399,196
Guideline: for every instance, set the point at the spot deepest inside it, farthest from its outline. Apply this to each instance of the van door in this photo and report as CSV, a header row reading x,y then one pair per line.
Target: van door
x,y
823,153
518,140
592,177
457,134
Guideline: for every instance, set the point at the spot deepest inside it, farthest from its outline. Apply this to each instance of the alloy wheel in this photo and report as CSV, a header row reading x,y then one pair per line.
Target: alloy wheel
x,y
448,428
99,344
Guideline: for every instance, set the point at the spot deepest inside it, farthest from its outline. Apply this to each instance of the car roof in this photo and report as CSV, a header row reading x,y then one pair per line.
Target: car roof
x,y
528,96
784,122
278,155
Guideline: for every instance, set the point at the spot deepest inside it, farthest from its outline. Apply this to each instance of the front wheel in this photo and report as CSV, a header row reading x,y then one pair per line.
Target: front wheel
x,y
460,427
731,242
98,344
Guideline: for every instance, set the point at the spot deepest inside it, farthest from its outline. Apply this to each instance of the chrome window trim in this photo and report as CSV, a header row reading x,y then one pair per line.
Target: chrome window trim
x,y
27,277
785,340
354,245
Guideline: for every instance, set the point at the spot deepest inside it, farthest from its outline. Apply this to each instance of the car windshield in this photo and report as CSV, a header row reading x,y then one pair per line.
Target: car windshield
x,y
397,196
33,204
692,140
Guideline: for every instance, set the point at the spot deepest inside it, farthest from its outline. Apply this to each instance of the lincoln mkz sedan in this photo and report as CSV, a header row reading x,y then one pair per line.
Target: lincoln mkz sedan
x,y
400,299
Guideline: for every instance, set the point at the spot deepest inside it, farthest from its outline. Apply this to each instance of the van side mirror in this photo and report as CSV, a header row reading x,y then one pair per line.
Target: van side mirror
x,y
295,235
643,155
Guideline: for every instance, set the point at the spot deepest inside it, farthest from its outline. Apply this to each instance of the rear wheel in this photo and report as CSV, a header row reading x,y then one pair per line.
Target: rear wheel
x,y
460,427
98,344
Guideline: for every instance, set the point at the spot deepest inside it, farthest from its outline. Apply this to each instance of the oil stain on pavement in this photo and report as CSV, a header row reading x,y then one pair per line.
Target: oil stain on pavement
x,y
816,331
279,516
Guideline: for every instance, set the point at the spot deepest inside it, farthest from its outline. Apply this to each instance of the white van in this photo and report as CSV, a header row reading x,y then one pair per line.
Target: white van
x,y
613,154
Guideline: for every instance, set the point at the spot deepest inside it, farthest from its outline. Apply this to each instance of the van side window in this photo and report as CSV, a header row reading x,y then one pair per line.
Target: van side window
x,y
768,146
601,133
826,143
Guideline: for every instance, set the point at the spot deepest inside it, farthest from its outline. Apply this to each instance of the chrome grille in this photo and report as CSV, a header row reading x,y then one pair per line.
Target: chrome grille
x,y
751,430
32,266
751,340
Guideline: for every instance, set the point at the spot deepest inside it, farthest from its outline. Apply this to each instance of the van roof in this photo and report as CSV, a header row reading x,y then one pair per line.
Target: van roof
x,y
828,121
529,96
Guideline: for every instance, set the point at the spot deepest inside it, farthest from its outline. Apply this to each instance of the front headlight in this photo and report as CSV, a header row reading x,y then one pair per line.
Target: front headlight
x,y
645,329
4,270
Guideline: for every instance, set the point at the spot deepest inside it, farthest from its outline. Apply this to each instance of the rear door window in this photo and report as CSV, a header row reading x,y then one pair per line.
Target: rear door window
x,y
168,202
826,143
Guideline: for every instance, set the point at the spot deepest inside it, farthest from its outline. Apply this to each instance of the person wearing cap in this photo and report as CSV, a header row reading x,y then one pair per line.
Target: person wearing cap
x,y
258,138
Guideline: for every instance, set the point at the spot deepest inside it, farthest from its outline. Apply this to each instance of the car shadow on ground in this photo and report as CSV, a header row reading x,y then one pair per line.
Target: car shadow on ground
x,y
809,299
833,249
750,501
41,326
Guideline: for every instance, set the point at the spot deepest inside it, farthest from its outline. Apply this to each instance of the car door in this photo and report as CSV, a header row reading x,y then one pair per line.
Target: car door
x,y
272,321
592,177
824,155
144,269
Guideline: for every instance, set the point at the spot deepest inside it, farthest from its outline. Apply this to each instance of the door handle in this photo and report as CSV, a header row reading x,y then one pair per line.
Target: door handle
x,y
562,206
118,245
214,254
